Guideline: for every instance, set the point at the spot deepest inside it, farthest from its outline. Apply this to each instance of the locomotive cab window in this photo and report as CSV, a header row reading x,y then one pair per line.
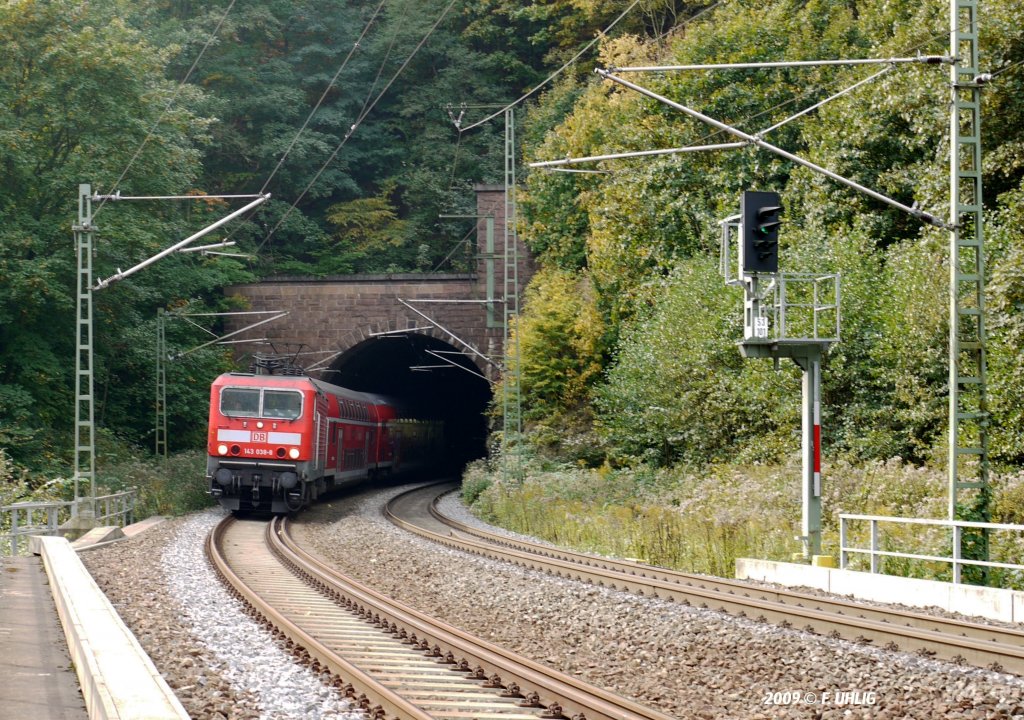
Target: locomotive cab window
x,y
240,402
285,404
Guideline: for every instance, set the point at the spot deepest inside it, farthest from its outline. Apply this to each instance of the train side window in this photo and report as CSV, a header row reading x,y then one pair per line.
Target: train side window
x,y
286,404
240,402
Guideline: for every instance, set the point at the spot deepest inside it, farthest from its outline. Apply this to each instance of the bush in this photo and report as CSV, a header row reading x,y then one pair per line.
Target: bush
x,y
475,480
174,487
13,480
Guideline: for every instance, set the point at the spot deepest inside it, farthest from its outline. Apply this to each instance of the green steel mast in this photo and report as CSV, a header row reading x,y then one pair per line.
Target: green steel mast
x,y
968,408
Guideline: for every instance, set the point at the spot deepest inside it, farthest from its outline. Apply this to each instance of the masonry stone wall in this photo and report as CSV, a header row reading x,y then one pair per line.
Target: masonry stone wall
x,y
333,315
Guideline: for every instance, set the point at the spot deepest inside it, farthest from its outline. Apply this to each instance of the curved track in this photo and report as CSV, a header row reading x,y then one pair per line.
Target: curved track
x,y
394,661
931,636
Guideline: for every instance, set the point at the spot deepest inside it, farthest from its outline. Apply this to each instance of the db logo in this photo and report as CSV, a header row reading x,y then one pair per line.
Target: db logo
x,y
259,437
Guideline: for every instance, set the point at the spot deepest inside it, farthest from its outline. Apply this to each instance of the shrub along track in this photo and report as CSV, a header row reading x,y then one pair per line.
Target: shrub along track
x,y
394,661
930,636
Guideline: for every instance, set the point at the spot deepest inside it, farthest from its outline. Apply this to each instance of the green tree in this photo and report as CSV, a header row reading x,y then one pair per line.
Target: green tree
x,y
368,237
560,336
643,220
80,91
678,390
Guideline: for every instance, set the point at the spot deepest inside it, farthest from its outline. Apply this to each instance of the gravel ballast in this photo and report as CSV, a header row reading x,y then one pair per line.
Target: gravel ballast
x,y
220,663
688,662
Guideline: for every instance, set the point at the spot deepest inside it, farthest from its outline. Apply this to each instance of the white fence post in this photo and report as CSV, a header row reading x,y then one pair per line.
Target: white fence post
x,y
958,534
842,543
956,559
874,546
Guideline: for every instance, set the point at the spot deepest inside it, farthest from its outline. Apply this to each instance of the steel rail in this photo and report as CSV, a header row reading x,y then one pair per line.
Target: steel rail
x,y
562,696
975,643
273,572
387,700
896,616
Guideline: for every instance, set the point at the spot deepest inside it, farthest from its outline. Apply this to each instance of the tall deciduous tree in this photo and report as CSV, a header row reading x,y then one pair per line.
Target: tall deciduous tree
x,y
885,383
80,90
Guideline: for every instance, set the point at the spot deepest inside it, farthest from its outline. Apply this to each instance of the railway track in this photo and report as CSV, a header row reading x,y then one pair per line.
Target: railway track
x,y
392,660
958,641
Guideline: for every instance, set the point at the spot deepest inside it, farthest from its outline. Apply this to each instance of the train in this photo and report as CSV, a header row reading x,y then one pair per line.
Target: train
x,y
276,443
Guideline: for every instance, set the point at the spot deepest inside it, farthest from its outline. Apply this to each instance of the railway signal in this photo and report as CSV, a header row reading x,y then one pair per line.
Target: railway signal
x,y
760,213
785,315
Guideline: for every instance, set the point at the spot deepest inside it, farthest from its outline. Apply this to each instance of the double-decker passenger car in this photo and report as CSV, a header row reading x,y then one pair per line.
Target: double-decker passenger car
x,y
276,443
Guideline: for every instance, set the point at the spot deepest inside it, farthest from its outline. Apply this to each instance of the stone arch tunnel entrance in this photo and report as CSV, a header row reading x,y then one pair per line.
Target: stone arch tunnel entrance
x,y
433,378
399,334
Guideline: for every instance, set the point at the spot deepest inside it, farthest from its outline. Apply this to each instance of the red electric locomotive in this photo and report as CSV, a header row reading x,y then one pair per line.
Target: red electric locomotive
x,y
276,442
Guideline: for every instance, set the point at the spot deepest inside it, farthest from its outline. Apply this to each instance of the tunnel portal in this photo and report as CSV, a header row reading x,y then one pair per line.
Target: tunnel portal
x,y
429,376
393,334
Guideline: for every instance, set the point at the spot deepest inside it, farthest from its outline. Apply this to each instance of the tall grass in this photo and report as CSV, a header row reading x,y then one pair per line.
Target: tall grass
x,y
699,523
172,487
703,521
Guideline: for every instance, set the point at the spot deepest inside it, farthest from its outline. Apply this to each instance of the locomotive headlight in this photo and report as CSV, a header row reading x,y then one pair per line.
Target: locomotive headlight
x,y
293,453
259,424
222,449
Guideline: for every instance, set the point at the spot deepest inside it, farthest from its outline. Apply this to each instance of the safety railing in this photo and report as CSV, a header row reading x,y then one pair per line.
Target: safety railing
x,y
954,539
804,307
119,507
30,518
21,520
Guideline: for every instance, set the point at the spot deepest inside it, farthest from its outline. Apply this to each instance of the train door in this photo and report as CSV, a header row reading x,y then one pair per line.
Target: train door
x,y
339,458
322,430
372,451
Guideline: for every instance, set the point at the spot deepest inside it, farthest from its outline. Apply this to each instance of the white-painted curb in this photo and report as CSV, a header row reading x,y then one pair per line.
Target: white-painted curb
x,y
118,679
992,603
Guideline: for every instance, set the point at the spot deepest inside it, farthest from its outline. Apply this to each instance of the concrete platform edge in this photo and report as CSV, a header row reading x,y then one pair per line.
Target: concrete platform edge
x,y
117,677
992,603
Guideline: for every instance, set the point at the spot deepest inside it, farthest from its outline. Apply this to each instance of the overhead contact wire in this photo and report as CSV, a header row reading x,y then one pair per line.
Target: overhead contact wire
x,y
167,108
810,91
366,111
323,96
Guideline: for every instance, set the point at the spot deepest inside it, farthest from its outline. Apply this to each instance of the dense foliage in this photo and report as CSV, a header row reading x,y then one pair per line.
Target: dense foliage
x,y
628,335
642,234
81,92
172,97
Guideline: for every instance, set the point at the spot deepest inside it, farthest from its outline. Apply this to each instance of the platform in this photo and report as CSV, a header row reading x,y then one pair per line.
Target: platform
x,y
47,601
38,680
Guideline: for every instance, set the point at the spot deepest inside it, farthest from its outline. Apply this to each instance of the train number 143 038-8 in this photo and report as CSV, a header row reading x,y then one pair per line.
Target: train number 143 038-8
x,y
257,451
